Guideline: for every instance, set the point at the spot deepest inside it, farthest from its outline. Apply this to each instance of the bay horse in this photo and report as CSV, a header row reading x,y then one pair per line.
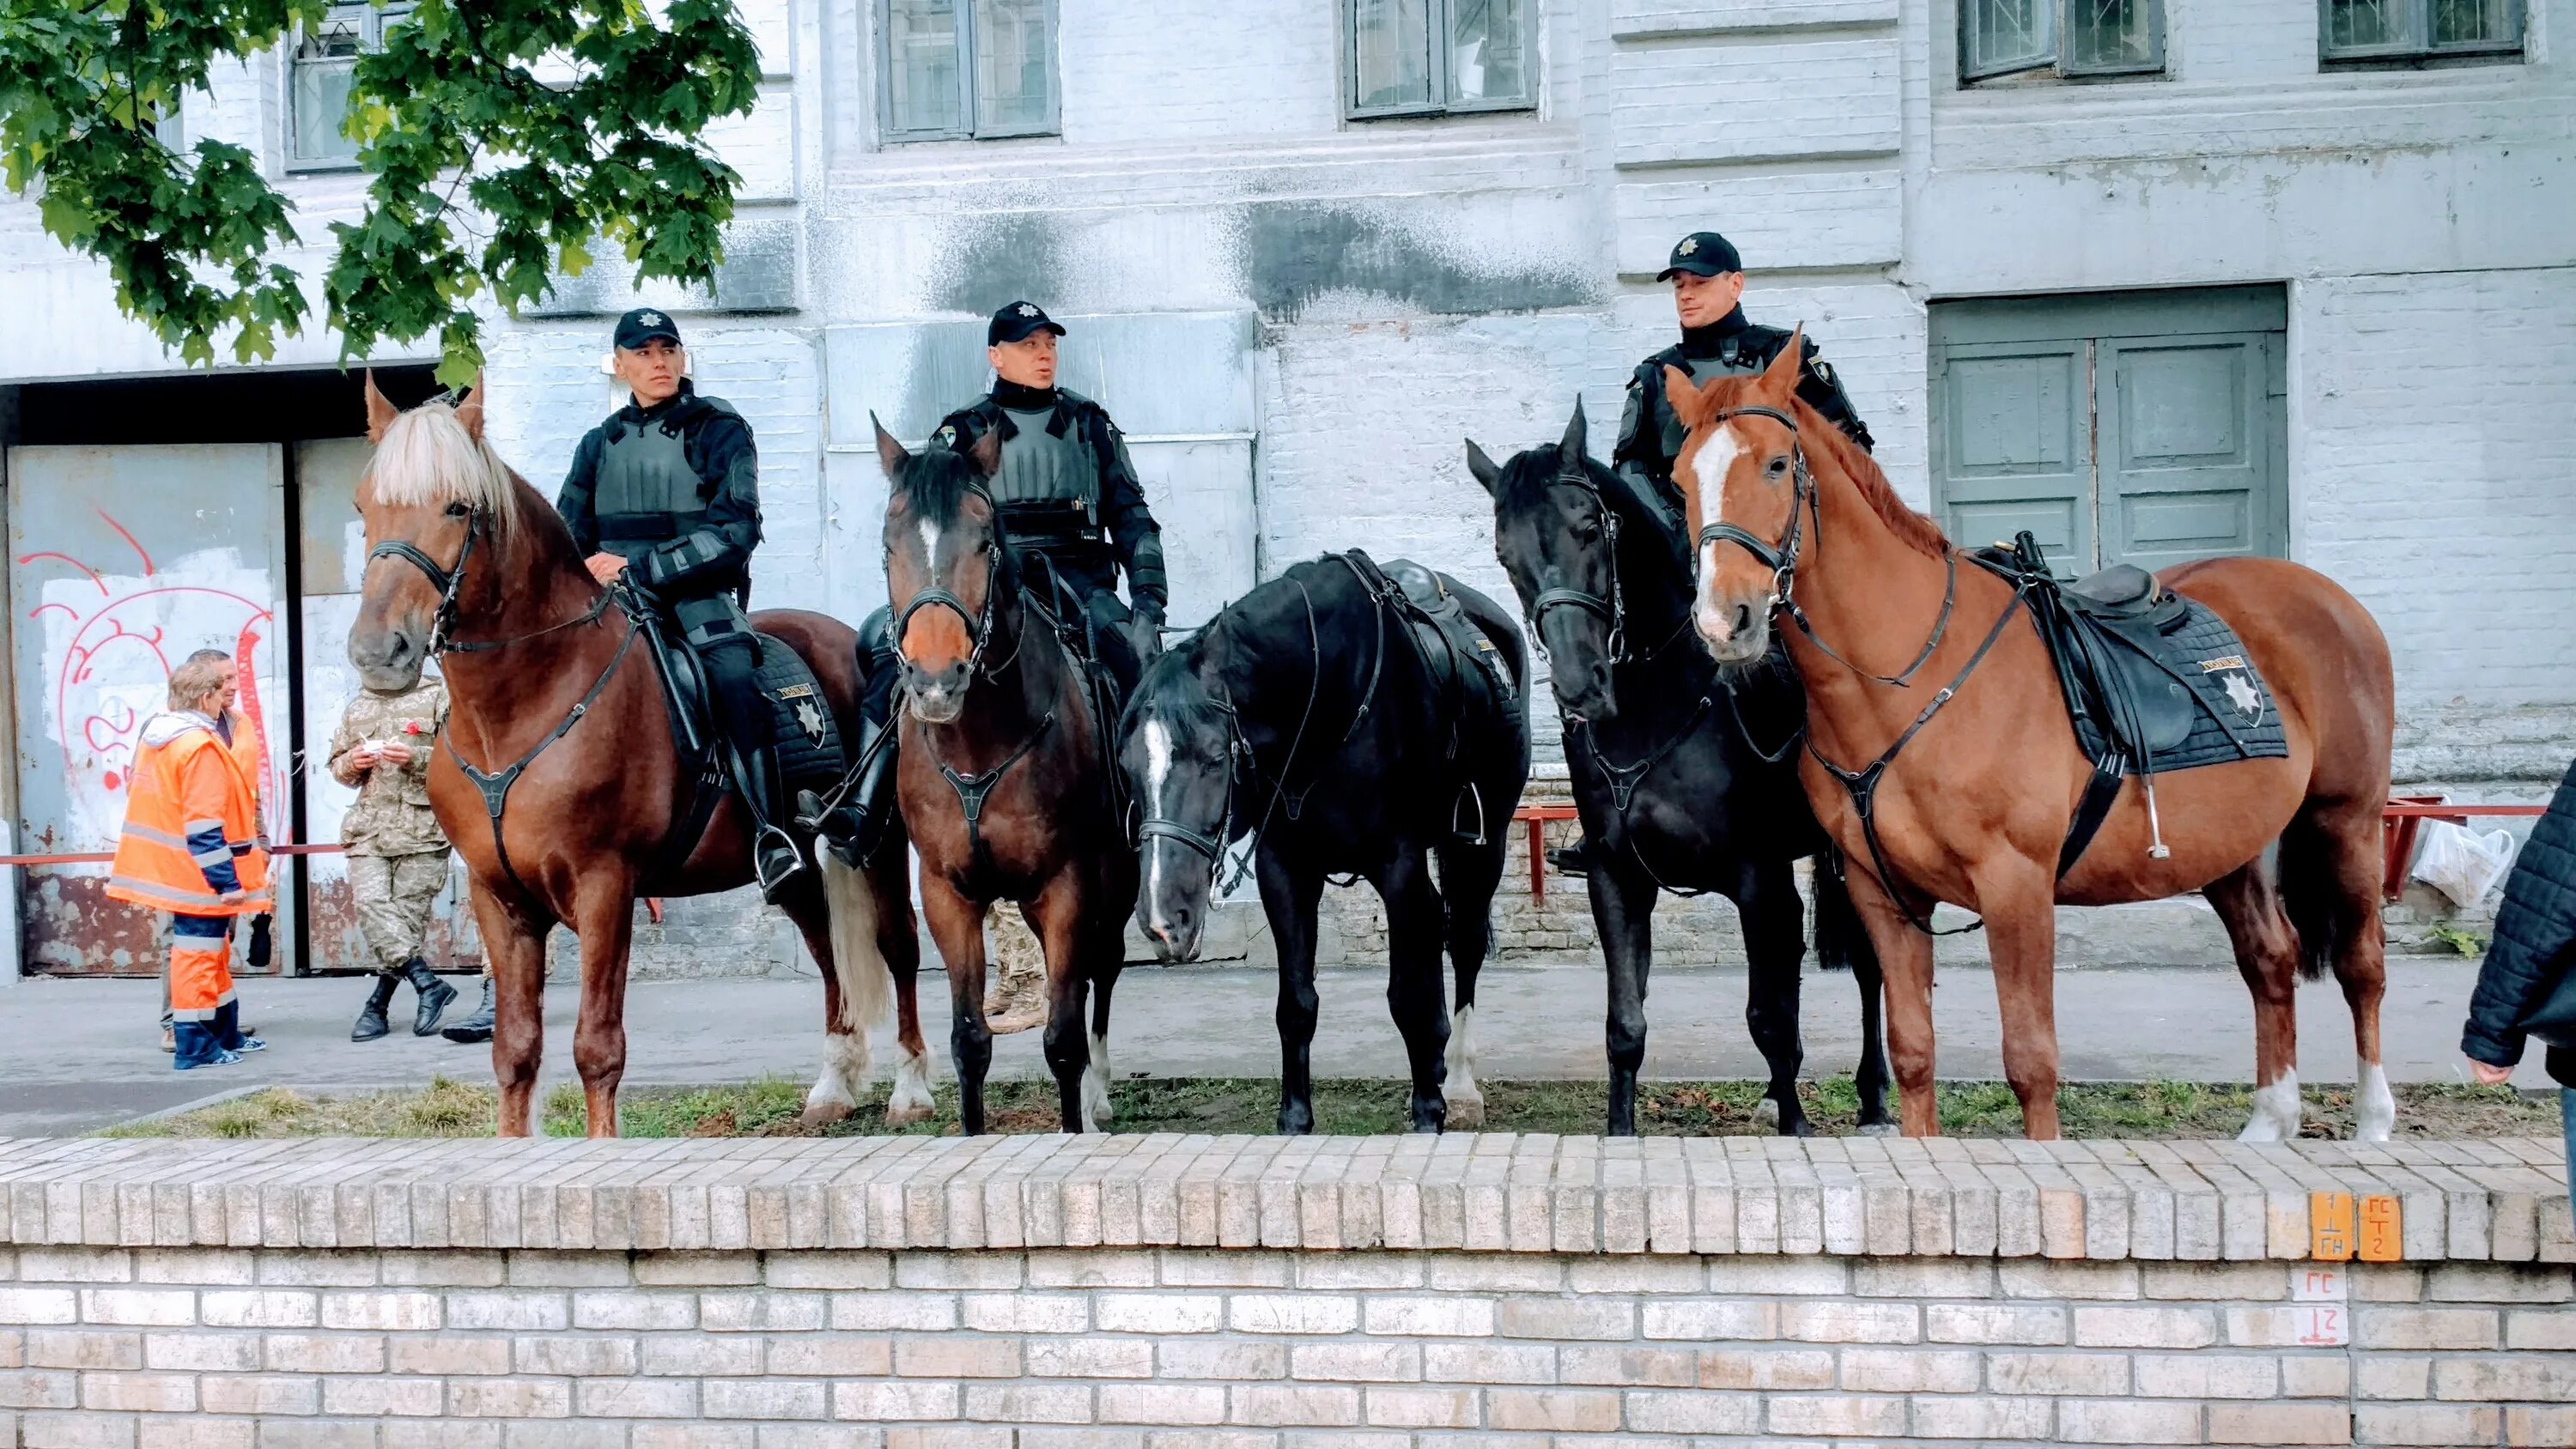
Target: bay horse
x,y
1301,717
1685,779
1977,773
551,699
1003,775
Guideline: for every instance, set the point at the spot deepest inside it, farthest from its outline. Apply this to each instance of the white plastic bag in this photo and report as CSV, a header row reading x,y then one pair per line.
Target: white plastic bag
x,y
2460,863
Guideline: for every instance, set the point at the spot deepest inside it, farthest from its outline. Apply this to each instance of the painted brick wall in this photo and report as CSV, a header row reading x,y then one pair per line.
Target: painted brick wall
x,y
2070,1294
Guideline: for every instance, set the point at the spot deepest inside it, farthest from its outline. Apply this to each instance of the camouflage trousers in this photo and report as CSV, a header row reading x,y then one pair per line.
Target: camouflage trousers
x,y
393,894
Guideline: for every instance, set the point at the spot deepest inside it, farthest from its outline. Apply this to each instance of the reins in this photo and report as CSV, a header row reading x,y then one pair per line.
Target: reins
x,y
1862,784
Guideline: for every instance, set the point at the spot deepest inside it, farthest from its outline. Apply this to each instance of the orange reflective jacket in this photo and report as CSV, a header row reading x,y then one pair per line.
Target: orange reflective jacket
x,y
186,782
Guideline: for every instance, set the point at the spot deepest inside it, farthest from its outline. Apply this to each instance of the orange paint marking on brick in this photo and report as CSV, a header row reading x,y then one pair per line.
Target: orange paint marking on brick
x,y
2330,1226
2380,1240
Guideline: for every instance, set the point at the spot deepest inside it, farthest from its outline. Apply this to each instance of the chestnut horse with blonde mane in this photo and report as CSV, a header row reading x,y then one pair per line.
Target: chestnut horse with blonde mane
x,y
1987,772
551,700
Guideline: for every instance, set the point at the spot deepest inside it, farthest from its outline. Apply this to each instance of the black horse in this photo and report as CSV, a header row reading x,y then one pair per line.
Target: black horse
x,y
1321,715
1685,780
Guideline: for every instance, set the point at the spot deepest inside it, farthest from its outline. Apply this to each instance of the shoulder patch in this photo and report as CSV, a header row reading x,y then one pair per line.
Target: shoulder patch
x,y
947,434
1823,370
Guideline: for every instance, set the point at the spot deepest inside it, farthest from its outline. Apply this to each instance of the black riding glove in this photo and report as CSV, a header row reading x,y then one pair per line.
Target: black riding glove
x,y
1145,631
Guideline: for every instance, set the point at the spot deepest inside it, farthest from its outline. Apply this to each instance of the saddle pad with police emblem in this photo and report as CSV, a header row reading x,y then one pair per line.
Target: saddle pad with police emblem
x,y
801,723
2199,694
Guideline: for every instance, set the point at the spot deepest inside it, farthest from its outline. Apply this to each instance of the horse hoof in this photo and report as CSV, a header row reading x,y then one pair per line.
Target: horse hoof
x,y
1878,1129
905,1114
1466,1111
824,1114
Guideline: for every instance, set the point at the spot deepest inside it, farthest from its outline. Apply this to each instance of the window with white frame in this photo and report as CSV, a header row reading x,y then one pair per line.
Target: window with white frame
x,y
960,68
2415,32
318,76
2071,39
1425,57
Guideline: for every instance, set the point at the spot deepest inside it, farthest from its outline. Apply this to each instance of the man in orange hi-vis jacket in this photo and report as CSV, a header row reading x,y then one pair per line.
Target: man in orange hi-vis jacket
x,y
191,847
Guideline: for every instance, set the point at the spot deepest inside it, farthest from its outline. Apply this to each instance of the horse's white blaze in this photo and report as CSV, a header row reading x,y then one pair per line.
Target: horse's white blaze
x,y
2276,1111
1717,453
1096,1110
1158,774
929,544
2378,1115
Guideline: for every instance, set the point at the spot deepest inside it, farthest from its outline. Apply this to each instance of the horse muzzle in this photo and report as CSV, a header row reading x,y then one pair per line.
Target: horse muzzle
x,y
1734,631
936,696
388,660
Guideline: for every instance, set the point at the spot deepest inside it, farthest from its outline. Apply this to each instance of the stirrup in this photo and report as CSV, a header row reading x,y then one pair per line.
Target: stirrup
x,y
763,854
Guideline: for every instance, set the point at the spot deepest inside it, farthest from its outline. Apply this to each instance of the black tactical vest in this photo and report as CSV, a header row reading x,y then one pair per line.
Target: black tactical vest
x,y
647,493
1730,361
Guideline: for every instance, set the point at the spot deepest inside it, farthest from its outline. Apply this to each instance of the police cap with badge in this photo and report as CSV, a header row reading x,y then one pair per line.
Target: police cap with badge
x,y
1017,322
1703,254
643,325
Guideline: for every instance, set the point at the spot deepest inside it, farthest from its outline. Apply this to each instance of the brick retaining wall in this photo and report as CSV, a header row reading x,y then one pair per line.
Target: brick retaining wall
x,y
1162,1292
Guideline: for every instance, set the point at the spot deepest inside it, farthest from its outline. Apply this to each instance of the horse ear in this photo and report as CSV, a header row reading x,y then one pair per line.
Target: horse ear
x,y
1570,450
890,454
1780,379
1684,396
986,454
1482,469
470,411
380,413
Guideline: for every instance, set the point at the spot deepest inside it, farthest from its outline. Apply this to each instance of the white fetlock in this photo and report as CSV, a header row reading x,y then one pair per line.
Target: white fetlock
x,y
1465,1100
2376,1116
911,1100
835,1093
2276,1111
1097,1109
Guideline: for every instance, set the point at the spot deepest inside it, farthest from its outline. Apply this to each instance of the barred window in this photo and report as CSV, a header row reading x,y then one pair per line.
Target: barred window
x,y
2079,39
319,72
1425,57
968,68
2415,32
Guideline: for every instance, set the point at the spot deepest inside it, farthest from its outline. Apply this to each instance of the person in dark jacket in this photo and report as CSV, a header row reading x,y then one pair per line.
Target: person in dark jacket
x,y
2530,963
666,492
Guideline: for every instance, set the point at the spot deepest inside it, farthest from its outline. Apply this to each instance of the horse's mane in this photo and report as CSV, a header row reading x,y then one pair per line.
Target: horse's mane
x,y
937,484
1817,435
1172,692
427,459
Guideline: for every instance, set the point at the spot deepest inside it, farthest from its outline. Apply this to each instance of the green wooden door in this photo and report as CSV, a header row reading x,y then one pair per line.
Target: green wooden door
x,y
2142,427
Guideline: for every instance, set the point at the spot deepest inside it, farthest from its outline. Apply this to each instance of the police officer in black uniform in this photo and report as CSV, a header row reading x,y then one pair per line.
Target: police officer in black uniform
x,y
1708,282
666,492
1074,516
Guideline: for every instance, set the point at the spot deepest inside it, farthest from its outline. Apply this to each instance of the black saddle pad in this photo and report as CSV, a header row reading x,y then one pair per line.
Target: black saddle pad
x,y
2150,676
807,738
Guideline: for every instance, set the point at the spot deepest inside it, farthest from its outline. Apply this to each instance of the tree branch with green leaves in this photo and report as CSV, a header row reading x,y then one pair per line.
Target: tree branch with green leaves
x,y
502,139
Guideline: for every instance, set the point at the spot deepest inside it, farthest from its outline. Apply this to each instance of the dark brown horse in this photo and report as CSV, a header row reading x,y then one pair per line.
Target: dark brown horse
x,y
550,690
1003,778
1975,805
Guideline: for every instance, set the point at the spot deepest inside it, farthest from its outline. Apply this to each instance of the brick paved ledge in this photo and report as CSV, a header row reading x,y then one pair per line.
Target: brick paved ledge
x,y
2499,1200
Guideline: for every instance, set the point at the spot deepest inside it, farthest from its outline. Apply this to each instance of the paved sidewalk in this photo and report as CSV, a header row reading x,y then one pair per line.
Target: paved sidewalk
x,y
83,1053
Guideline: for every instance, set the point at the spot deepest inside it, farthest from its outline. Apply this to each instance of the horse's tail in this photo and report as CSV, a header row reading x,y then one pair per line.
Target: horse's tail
x,y
867,982
1841,941
2305,878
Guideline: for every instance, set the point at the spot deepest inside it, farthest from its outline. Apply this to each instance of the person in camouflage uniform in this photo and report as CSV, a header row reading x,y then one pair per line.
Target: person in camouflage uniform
x,y
397,854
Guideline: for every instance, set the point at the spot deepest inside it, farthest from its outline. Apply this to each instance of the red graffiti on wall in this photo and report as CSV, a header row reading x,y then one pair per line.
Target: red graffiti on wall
x,y
121,641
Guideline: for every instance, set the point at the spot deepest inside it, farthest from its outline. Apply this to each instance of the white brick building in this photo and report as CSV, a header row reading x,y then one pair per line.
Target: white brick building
x,y
2335,298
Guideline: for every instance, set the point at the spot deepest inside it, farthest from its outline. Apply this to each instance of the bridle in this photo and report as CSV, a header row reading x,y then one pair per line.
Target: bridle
x,y
1613,610
978,622
1782,558
450,583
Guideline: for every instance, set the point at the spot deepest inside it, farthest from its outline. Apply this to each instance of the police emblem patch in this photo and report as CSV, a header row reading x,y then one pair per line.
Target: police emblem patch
x,y
810,720
651,319
1690,245
1028,311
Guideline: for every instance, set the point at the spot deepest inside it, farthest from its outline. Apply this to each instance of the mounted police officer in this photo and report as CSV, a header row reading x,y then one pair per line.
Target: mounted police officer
x,y
1708,283
666,492
1717,341
1072,512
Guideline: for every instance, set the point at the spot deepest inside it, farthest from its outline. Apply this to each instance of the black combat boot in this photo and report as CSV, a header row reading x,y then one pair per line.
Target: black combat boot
x,y
434,995
371,1017
477,1027
775,860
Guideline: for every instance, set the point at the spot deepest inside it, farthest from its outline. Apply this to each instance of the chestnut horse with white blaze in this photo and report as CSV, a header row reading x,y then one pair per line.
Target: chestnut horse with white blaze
x,y
1986,775
552,700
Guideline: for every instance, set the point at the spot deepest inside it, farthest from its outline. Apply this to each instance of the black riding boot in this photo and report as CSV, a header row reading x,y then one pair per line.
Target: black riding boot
x,y
774,856
371,1017
434,995
477,1027
1575,859
857,827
